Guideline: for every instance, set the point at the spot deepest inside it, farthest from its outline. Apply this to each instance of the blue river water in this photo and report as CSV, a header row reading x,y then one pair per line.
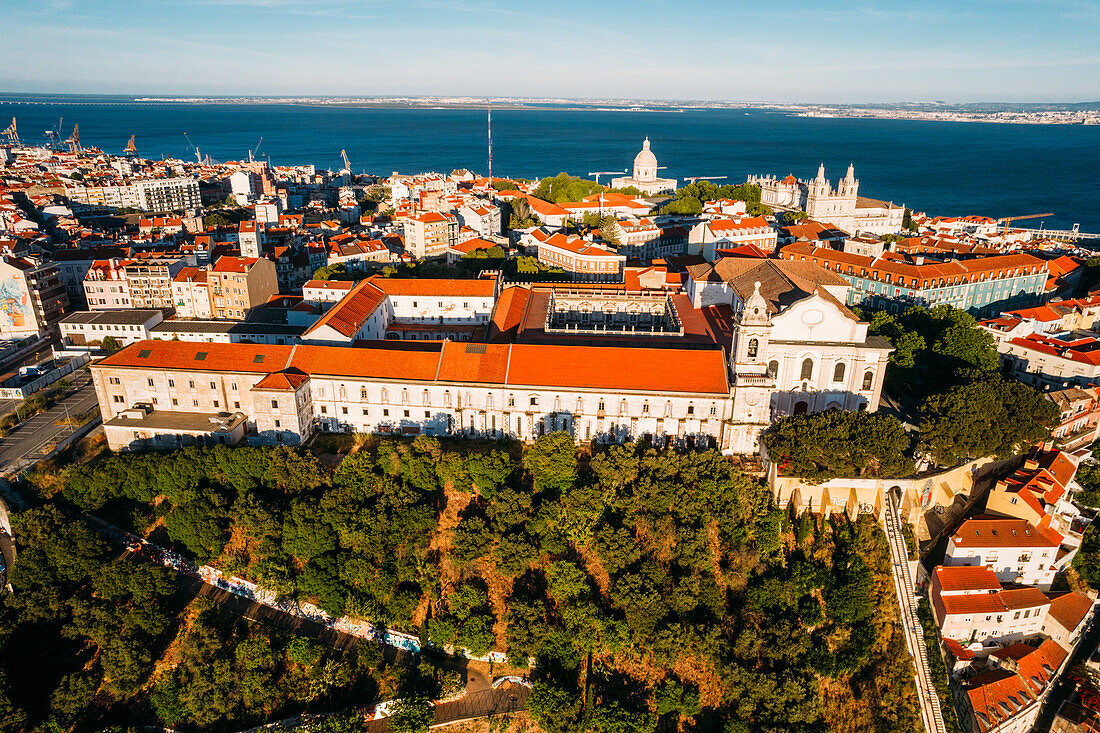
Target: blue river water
x,y
943,168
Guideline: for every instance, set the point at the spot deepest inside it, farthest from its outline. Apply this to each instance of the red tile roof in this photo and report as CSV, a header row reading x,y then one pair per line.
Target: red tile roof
x,y
235,264
998,532
1070,609
351,311
1001,694
479,288
966,578
516,365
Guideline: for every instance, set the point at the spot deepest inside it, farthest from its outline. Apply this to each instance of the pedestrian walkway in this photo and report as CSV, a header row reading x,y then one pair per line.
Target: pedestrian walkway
x,y
931,712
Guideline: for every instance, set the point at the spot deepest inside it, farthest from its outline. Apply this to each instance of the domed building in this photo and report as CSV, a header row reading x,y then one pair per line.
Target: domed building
x,y
645,175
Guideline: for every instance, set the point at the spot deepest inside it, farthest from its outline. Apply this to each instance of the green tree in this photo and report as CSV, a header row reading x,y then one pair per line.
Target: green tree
x,y
552,462
1087,560
834,443
564,187
411,714
988,416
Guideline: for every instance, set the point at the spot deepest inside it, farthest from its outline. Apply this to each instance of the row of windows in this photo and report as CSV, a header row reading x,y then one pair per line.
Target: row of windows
x,y
808,368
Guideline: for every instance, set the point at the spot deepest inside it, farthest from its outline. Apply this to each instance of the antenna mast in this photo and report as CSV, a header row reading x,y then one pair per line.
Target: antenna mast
x,y
490,143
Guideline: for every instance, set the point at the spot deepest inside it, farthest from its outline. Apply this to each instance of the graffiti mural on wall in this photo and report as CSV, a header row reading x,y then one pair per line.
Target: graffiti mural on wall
x,y
16,312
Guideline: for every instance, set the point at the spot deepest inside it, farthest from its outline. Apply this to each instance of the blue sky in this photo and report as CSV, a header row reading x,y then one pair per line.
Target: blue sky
x,y
778,50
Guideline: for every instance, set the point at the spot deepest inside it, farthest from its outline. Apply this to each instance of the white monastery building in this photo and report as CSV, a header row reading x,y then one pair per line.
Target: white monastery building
x,y
749,341
842,207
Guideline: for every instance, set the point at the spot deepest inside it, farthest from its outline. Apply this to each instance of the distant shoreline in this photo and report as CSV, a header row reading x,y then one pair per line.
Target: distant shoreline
x,y
1085,113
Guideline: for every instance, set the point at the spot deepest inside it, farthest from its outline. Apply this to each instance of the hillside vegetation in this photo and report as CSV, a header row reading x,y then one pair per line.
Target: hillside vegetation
x,y
653,589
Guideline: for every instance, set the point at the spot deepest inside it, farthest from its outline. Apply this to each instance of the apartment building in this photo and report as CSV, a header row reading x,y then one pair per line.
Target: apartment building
x,y
239,284
406,309
1078,417
1069,617
150,279
191,293
430,234
105,285
721,234
1038,494
972,607
153,194
1008,694
1014,549
983,286
1053,362
585,261
326,292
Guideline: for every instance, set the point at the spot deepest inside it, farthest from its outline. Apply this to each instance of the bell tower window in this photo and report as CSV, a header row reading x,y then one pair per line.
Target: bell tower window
x,y
754,346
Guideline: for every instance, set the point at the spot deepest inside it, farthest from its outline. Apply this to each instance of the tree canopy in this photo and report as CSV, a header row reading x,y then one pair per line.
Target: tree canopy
x,y
564,187
615,568
834,443
985,416
690,197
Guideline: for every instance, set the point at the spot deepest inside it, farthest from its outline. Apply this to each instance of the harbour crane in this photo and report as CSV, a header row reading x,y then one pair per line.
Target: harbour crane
x,y
1006,220
597,174
131,147
73,140
11,134
252,153
693,179
53,137
347,165
193,146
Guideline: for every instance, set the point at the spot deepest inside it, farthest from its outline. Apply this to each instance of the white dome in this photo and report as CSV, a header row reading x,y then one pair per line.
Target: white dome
x,y
646,157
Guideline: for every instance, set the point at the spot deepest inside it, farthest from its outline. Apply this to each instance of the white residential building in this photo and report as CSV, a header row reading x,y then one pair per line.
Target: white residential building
x,y
1014,549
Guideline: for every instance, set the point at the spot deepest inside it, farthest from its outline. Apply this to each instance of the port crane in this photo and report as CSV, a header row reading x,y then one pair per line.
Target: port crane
x,y
11,134
193,146
693,179
347,164
53,136
252,153
73,141
131,147
1006,220
597,174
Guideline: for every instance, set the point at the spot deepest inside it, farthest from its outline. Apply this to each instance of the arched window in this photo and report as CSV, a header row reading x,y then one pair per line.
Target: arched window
x,y
868,380
754,345
838,372
800,408
427,399
807,369
773,368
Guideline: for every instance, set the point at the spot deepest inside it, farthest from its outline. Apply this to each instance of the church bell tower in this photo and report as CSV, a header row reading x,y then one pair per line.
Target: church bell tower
x,y
753,384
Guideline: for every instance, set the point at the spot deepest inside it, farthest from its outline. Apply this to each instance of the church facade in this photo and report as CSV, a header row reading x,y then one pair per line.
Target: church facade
x,y
796,347
842,206
645,177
